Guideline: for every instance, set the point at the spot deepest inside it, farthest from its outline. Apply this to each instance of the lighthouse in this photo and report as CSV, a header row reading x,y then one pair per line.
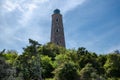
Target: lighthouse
x,y
57,29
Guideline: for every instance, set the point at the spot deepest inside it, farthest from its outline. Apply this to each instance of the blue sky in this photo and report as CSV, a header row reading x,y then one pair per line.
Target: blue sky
x,y
93,24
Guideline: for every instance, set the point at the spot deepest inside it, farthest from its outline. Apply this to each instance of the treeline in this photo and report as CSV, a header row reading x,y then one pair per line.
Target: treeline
x,y
51,62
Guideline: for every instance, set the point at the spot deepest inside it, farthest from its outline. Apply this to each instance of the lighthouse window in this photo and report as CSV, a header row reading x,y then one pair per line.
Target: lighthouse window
x,y
57,20
57,30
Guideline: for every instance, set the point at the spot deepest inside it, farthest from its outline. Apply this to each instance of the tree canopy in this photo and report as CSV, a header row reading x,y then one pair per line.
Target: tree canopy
x,y
52,62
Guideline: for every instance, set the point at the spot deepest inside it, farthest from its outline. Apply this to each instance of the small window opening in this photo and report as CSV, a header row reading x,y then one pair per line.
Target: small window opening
x,y
57,30
57,20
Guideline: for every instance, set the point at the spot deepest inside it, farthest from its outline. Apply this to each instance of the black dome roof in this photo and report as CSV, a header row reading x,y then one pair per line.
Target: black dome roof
x,y
56,11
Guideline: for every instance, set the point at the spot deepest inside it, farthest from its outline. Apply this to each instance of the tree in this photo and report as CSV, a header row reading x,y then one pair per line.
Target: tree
x,y
117,52
1,52
112,65
101,60
66,71
29,63
88,58
81,51
6,71
51,50
47,67
89,73
32,48
10,56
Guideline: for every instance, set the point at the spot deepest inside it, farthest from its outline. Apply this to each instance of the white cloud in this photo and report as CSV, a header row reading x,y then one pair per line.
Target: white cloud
x,y
71,4
26,16
23,19
9,6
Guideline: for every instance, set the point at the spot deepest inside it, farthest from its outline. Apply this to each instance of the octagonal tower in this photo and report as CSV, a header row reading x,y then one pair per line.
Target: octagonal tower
x,y
57,29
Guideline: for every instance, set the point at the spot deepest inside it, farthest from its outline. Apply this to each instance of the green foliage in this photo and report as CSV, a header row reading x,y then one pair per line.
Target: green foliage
x,y
88,58
47,67
51,50
10,56
66,71
81,51
89,73
28,64
32,48
6,71
52,62
112,65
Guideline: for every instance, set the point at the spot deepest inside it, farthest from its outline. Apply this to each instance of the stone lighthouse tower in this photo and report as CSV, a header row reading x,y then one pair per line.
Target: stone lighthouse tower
x,y
57,29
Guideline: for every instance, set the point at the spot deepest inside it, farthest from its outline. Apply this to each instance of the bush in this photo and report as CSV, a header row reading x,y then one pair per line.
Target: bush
x,y
66,71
